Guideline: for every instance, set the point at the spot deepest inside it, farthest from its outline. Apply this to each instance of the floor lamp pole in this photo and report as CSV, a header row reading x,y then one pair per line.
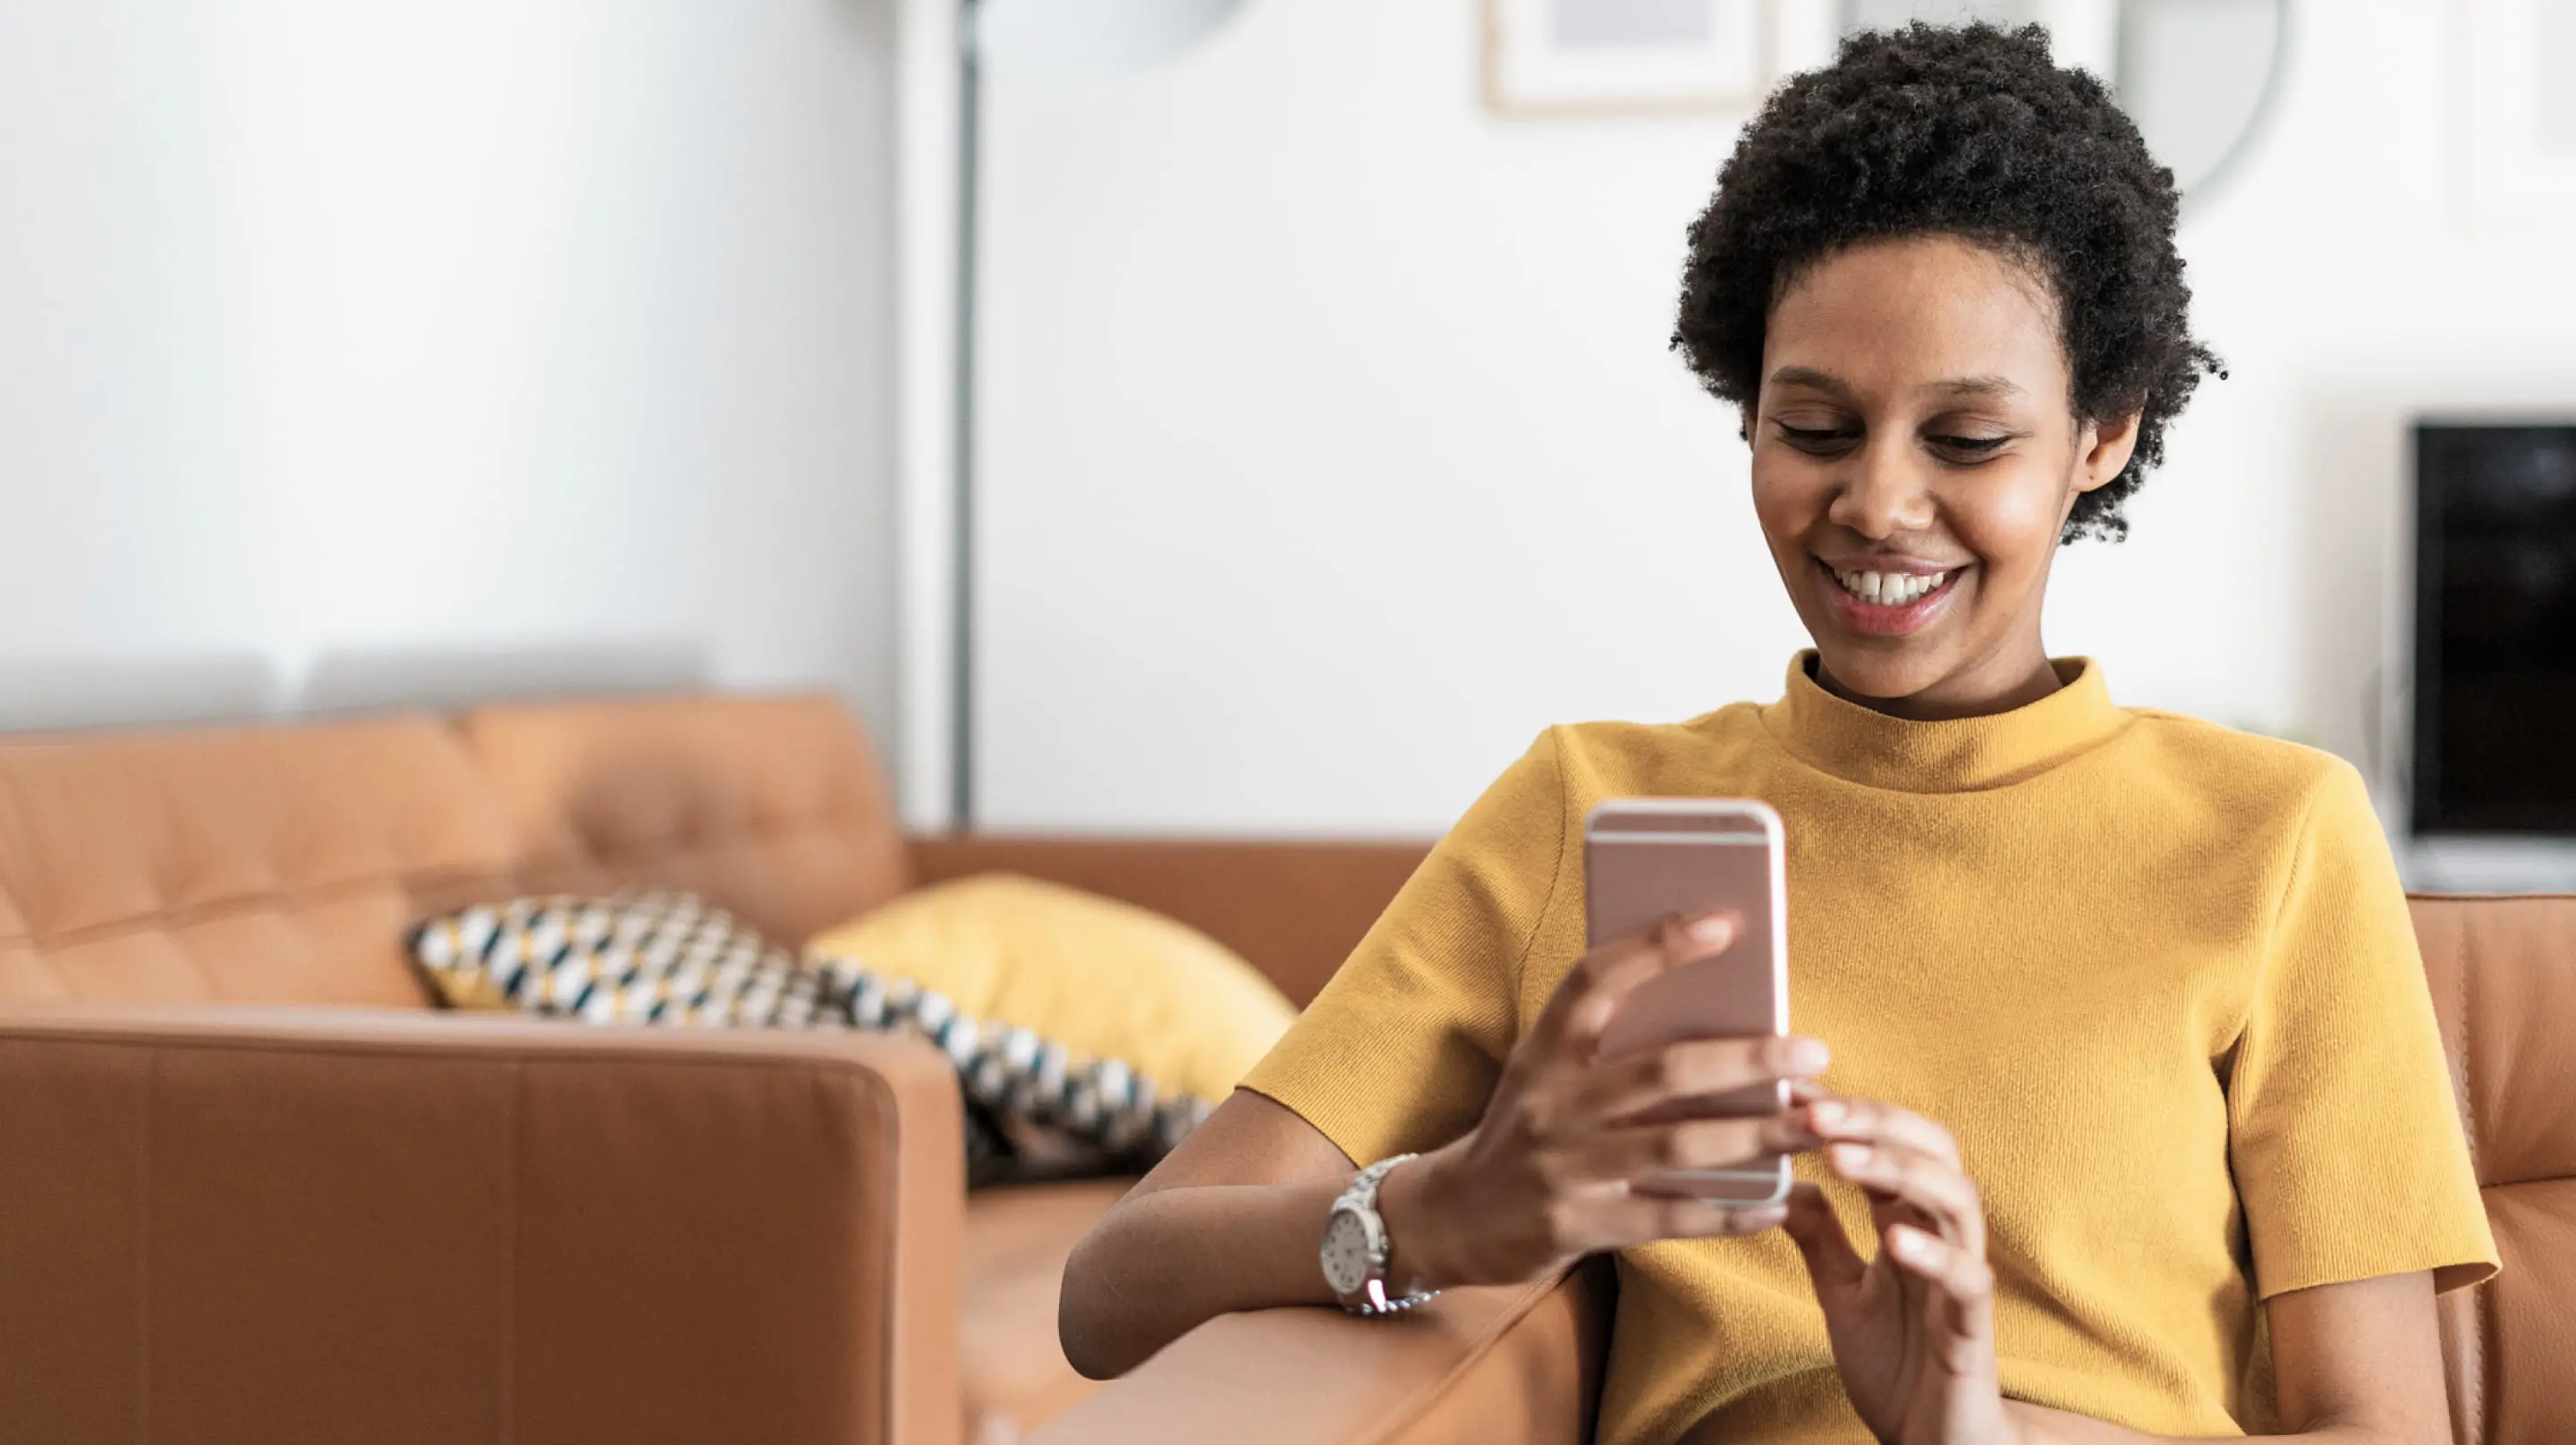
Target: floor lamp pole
x,y
1120,34
961,660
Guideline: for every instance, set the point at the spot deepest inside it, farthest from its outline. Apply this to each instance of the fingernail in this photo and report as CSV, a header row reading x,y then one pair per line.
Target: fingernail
x,y
1910,1242
1851,1156
1826,1112
1808,1056
1714,929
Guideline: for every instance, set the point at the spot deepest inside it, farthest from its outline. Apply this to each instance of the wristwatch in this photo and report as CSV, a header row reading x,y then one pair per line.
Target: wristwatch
x,y
1356,1248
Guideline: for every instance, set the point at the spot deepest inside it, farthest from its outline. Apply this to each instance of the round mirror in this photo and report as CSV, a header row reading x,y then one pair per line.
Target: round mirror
x,y
2195,74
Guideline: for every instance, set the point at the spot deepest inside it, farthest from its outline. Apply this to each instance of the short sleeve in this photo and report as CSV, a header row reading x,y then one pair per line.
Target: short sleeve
x,y
2344,1132
1401,1049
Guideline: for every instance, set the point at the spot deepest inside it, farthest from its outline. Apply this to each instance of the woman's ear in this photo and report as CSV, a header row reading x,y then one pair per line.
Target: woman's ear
x,y
2110,443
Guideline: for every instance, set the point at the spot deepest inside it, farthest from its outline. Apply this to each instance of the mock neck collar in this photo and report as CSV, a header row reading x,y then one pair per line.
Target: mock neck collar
x,y
1954,756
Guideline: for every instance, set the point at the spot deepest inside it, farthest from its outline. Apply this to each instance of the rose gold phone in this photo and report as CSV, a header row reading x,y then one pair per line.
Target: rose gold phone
x,y
1649,859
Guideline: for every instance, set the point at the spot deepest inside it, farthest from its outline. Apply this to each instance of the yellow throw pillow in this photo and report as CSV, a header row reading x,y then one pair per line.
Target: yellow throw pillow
x,y
1051,982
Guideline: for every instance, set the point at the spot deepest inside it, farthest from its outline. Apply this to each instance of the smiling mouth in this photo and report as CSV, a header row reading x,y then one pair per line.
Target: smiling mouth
x,y
1889,604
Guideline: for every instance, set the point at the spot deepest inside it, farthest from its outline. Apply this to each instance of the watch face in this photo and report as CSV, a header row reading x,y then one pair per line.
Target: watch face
x,y
1346,1253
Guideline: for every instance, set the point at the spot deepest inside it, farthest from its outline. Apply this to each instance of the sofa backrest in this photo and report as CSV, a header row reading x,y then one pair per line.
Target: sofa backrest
x,y
271,864
284,864
2503,972
774,807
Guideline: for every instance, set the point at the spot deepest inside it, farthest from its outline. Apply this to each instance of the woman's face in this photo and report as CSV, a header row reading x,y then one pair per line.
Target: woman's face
x,y
1915,456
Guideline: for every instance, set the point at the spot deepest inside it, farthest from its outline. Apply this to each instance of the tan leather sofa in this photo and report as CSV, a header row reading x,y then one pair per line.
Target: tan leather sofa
x,y
1522,1366
252,1189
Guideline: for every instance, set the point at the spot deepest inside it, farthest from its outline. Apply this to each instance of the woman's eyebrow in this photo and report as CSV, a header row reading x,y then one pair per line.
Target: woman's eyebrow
x,y
1976,386
1996,386
1809,376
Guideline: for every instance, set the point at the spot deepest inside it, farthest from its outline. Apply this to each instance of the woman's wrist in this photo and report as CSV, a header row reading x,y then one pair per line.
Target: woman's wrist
x,y
1411,1203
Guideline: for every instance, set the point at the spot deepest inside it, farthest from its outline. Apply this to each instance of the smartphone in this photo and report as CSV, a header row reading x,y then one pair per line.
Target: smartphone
x,y
1649,859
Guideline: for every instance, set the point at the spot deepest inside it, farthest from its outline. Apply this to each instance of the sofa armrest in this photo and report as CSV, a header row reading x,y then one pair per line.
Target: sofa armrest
x,y
238,1225
1295,909
1504,1366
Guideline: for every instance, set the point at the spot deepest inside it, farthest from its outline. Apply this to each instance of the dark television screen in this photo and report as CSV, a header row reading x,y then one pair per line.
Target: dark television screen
x,y
2495,629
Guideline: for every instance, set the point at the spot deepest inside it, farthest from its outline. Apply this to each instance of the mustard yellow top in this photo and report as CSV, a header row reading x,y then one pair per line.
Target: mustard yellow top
x,y
2157,977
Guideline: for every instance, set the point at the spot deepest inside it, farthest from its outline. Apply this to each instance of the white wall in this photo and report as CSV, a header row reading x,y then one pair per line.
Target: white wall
x,y
356,351
1332,449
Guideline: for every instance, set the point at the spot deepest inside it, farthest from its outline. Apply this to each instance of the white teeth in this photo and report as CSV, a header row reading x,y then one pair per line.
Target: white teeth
x,y
1889,589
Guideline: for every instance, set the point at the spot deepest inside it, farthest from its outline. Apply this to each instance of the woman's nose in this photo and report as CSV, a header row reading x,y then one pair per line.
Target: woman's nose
x,y
1882,490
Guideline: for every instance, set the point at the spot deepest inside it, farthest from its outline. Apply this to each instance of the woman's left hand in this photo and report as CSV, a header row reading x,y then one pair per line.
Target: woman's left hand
x,y
1913,1329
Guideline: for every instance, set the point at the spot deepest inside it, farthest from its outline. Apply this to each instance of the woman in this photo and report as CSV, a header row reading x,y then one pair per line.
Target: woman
x,y
2118,1061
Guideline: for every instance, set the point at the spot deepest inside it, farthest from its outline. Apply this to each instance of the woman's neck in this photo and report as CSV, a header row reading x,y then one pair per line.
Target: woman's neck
x,y
1986,687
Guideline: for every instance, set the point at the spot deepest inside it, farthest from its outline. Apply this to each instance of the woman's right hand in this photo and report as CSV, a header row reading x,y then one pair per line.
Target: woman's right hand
x,y
1545,1177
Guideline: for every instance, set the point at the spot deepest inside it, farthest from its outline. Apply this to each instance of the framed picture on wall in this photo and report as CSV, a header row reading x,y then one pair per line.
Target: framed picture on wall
x,y
1609,57
2515,79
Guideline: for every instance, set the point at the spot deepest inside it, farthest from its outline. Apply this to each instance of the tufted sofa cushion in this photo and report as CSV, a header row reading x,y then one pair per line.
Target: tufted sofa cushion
x,y
252,865
774,807
283,864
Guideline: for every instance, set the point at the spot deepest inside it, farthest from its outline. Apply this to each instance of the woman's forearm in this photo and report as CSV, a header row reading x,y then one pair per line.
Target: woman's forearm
x,y
1169,1261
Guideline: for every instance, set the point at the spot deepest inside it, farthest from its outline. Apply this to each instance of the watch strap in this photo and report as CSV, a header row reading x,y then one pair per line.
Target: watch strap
x,y
1361,1197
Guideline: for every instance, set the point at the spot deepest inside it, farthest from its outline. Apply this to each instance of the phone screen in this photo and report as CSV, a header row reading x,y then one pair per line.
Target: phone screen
x,y
1649,859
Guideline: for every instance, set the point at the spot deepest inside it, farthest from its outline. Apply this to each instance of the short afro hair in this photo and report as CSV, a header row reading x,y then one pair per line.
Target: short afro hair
x,y
1968,131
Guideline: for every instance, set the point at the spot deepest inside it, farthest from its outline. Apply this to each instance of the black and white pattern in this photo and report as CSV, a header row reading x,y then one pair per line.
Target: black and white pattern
x,y
674,959
642,958
1020,1075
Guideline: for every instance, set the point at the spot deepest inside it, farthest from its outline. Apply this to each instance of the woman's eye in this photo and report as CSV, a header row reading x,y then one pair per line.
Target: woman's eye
x,y
1817,439
1970,446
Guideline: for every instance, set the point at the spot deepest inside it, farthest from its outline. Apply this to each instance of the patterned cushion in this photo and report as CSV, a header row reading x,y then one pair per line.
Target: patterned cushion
x,y
651,958
1027,1081
674,959
643,958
